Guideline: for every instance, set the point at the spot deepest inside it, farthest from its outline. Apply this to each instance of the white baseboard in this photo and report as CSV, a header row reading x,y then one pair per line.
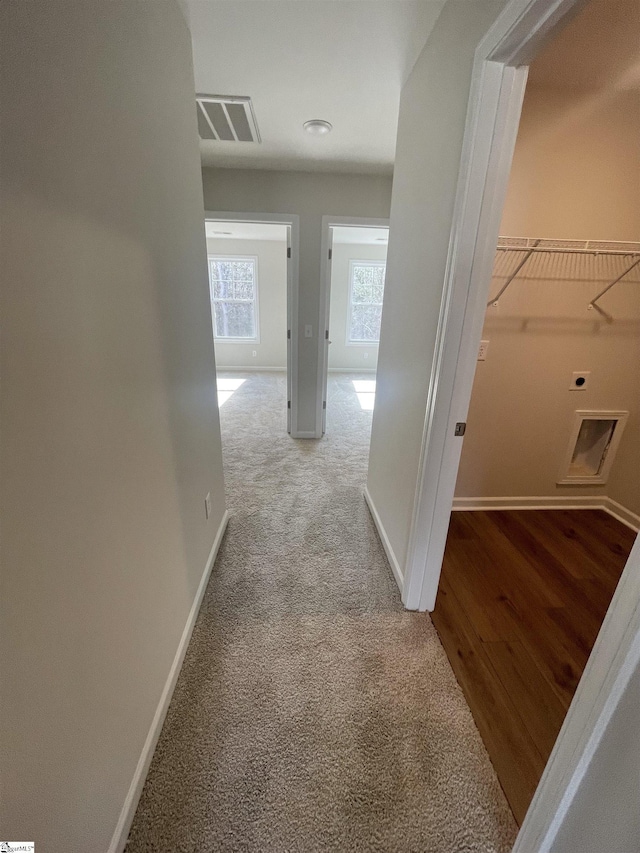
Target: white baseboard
x,y
309,434
623,514
352,370
386,544
223,368
552,502
127,814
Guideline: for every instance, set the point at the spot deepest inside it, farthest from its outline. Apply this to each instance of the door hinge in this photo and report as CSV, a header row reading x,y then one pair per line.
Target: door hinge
x,y
288,251
460,428
288,404
326,335
324,404
288,334
330,253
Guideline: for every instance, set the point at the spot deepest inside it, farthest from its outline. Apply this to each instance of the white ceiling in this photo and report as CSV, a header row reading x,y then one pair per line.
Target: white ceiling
x,y
244,231
340,60
361,236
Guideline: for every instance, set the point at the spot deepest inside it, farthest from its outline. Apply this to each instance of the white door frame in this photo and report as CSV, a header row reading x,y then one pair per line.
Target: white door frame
x,y
293,284
329,222
495,102
497,90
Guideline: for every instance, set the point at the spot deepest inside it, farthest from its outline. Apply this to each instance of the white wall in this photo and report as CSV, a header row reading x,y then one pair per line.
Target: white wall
x,y
311,196
110,436
271,351
575,165
604,814
432,119
574,157
341,354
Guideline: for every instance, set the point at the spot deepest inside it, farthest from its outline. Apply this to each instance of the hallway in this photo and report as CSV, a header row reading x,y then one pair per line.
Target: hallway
x,y
312,712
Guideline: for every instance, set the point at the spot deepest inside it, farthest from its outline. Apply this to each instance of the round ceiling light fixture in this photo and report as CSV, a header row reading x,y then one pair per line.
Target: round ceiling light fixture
x,y
318,127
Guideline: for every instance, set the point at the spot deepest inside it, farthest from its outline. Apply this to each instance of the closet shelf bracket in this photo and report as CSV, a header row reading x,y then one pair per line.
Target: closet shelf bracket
x,y
594,301
494,301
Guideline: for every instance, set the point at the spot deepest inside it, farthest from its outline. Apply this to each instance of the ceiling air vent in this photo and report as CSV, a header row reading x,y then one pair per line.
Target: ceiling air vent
x,y
227,118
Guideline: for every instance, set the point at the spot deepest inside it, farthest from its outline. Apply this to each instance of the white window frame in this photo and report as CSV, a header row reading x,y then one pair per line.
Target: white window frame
x,y
354,262
231,259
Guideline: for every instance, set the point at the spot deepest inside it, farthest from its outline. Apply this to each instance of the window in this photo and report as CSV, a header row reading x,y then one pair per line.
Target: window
x,y
234,295
366,287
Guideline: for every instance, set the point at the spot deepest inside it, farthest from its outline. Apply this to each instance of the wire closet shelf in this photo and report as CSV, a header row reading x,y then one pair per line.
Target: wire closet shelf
x,y
524,249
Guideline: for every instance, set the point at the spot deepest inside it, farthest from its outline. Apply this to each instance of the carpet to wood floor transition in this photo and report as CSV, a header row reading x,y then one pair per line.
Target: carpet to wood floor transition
x,y
312,712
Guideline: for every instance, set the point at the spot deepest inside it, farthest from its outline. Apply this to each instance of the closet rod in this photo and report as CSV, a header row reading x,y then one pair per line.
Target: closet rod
x,y
556,250
587,247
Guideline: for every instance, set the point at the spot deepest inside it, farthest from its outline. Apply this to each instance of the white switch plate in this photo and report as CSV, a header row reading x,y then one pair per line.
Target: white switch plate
x,y
255,353
308,332
482,352
576,384
207,505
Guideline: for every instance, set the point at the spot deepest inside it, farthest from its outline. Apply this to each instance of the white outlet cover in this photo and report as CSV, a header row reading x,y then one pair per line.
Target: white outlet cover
x,y
579,374
482,351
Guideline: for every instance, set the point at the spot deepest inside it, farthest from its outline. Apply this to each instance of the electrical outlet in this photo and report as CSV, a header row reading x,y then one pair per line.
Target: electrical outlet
x,y
365,355
482,352
207,505
308,331
579,380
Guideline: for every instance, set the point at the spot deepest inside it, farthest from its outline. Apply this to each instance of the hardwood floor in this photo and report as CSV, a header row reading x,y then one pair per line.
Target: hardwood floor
x,y
523,594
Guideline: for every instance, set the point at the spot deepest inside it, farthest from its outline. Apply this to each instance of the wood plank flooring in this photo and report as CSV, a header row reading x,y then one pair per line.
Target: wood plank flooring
x,y
522,596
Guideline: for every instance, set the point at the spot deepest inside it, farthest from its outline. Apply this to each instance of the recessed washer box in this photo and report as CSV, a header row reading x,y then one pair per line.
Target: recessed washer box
x,y
593,443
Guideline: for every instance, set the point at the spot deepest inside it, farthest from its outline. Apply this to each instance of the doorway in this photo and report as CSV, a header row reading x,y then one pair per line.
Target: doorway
x,y
253,280
354,254
538,545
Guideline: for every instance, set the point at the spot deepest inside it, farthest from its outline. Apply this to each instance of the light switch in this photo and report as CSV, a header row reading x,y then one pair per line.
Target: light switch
x,y
482,352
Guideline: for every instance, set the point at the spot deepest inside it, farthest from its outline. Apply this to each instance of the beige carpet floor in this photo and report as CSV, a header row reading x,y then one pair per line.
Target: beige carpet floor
x,y
312,712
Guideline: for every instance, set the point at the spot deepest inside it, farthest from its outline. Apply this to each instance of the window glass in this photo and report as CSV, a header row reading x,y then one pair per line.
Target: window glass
x,y
366,289
233,294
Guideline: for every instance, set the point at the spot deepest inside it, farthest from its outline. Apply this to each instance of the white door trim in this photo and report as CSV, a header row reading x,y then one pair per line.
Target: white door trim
x,y
293,285
497,89
329,222
495,101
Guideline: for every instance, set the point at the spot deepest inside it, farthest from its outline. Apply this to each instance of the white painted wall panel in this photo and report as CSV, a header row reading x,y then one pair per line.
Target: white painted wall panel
x,y
110,436
433,111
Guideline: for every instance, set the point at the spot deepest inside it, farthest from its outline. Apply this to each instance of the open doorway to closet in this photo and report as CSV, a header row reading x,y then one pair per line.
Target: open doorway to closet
x,y
253,288
354,258
547,501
